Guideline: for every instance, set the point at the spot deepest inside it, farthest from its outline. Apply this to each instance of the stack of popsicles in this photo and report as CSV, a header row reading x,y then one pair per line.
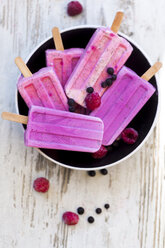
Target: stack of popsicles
x,y
70,76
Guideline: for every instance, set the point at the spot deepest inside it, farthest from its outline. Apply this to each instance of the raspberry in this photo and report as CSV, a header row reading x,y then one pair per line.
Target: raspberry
x,y
74,8
129,135
93,101
41,184
70,218
100,153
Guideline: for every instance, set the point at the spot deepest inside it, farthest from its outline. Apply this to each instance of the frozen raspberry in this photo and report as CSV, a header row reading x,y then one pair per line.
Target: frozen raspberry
x,y
41,184
70,218
100,153
93,101
74,8
129,135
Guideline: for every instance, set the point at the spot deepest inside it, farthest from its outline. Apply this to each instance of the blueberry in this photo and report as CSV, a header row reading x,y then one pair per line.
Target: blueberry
x,y
80,210
71,102
116,143
92,173
104,172
72,109
109,148
98,210
113,77
110,71
104,85
91,219
109,81
107,206
90,90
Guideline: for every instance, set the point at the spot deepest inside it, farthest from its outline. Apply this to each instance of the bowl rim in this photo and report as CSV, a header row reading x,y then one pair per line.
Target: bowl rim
x,y
153,124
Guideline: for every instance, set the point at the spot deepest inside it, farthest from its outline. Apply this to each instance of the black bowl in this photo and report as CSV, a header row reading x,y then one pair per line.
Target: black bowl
x,y
143,122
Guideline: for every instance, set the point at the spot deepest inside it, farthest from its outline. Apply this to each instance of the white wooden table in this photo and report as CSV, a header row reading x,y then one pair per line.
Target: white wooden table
x,y
134,188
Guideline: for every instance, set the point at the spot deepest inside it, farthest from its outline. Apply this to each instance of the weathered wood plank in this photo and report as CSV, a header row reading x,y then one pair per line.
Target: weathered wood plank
x,y
134,188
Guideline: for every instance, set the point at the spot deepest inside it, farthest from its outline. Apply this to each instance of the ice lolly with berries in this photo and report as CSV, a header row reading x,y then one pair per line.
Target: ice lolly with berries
x,y
63,61
121,103
56,129
104,55
42,88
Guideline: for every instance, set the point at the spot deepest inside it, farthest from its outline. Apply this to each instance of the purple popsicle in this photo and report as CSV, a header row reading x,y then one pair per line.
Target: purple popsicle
x,y
123,100
55,129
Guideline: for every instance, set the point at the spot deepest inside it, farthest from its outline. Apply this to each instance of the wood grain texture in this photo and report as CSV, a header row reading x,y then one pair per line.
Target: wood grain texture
x,y
133,188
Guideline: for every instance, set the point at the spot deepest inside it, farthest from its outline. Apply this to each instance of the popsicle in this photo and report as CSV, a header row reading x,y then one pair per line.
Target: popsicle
x,y
63,61
104,50
124,100
42,88
56,129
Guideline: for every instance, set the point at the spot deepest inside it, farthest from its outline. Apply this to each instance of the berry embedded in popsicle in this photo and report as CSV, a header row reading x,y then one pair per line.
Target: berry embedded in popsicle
x,y
42,88
121,103
62,61
62,130
104,56
109,81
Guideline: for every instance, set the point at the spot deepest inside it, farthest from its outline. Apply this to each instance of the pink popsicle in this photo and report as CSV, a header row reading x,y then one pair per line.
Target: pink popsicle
x,y
63,61
43,88
105,49
55,129
123,101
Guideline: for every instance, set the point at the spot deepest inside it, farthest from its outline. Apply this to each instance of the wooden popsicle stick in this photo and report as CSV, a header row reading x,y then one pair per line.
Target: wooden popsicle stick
x,y
152,71
117,21
14,117
23,67
57,39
